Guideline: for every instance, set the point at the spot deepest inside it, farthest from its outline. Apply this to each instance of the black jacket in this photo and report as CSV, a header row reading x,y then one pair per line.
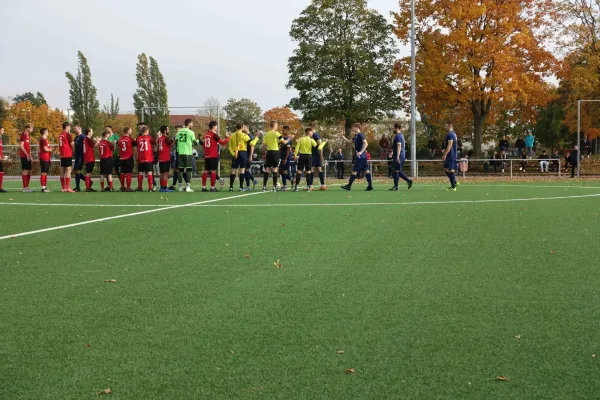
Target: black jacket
x,y
520,144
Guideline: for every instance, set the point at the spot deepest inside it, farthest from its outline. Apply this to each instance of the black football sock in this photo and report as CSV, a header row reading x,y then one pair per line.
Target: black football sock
x,y
396,178
402,175
231,180
241,180
274,179
352,178
369,180
322,178
265,179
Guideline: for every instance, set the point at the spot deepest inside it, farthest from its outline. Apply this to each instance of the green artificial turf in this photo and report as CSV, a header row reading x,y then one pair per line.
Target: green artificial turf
x,y
425,297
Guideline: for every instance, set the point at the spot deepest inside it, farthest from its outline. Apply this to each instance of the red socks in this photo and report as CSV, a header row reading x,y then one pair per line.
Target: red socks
x,y
43,180
1,179
213,179
67,183
140,181
62,183
204,177
122,180
24,179
110,185
102,184
150,181
88,182
128,176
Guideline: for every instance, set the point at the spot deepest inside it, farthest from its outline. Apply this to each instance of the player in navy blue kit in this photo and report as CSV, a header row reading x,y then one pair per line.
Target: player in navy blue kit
x,y
285,154
78,164
360,163
399,150
449,157
317,159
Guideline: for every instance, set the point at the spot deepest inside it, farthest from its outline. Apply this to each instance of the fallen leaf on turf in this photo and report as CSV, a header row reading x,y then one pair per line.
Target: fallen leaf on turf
x,y
247,256
226,244
87,345
524,209
348,197
502,378
278,264
518,336
339,352
283,225
11,199
553,252
165,199
350,370
20,253
593,356
105,391
110,281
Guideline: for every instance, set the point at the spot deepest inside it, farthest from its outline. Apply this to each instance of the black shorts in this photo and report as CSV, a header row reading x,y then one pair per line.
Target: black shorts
x,y
78,164
1,166
284,165
66,162
272,160
316,161
164,167
211,164
184,161
144,167
304,162
241,161
25,164
117,165
89,167
126,166
44,166
106,166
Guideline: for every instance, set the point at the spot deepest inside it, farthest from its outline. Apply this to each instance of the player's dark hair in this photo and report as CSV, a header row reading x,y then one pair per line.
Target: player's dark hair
x,y
212,124
287,128
272,124
398,125
87,130
140,124
65,124
108,126
126,129
308,130
188,121
163,129
43,130
239,126
1,127
357,125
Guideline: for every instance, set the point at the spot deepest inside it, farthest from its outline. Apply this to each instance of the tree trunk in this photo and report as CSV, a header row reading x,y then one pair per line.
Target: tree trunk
x,y
348,126
477,132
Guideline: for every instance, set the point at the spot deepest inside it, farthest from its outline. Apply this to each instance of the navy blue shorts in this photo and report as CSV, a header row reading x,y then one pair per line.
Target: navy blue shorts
x,y
241,161
450,164
360,165
78,164
316,161
396,166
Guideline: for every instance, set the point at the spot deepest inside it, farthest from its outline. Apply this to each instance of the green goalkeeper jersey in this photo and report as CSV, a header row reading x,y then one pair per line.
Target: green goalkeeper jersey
x,y
186,138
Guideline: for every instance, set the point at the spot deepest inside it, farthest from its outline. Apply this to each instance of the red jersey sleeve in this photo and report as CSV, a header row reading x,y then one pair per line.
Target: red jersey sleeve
x,y
90,142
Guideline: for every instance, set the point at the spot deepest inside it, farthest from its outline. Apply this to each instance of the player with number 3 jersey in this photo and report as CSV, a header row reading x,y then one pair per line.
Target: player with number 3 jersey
x,y
125,145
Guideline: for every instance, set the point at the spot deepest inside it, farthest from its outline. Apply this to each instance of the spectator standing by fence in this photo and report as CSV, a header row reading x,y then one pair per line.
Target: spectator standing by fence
x,y
529,142
574,161
384,146
432,146
504,147
339,165
544,161
586,147
523,166
555,165
520,145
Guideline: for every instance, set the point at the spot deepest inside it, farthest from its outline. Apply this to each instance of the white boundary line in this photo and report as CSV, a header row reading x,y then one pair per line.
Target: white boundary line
x,y
408,203
89,204
124,216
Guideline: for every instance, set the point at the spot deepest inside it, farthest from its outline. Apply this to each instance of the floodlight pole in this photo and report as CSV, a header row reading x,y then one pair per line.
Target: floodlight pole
x,y
413,106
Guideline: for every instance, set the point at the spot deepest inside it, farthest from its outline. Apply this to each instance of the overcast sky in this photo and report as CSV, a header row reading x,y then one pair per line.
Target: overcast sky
x,y
224,48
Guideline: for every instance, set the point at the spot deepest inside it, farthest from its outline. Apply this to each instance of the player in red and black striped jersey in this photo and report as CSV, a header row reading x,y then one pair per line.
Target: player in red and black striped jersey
x,y
125,145
105,149
44,155
89,158
1,158
145,156
211,144
164,157
25,154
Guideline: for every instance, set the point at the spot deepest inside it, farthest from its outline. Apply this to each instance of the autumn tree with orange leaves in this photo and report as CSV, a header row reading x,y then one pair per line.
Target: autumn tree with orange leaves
x,y
478,56
41,117
283,116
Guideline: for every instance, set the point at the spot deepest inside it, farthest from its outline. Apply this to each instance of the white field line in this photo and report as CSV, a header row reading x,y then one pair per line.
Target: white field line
x,y
124,216
89,205
408,203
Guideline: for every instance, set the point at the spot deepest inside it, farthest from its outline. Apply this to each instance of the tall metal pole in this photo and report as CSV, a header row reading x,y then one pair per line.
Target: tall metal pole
x,y
413,105
578,138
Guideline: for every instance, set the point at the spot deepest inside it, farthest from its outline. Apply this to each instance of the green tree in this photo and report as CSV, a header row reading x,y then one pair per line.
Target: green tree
x,y
151,99
243,110
550,130
111,110
342,67
82,94
4,106
37,99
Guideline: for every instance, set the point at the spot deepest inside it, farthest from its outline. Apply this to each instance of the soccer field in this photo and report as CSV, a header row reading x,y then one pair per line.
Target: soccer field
x,y
325,295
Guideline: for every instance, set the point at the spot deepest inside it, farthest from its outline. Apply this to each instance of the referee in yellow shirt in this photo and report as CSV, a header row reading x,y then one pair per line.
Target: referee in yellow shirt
x,y
239,152
304,148
272,141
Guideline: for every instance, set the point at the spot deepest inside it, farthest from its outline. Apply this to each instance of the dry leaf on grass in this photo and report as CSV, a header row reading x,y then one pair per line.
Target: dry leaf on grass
x,y
87,345
593,356
502,378
283,225
339,352
247,256
350,370
518,336
11,199
553,252
110,281
226,244
105,391
278,264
